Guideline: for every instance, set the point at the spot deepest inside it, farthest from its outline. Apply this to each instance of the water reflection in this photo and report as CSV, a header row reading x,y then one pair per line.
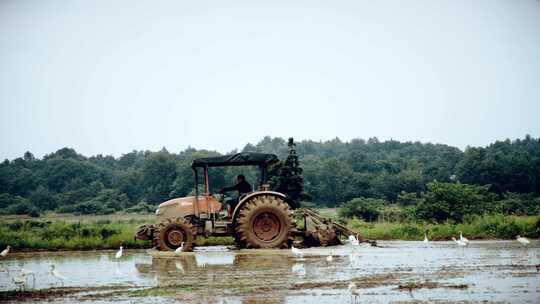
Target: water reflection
x,y
217,274
212,274
208,259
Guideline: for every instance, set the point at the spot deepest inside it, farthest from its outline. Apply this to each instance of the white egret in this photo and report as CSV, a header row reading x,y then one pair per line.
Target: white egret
x,y
20,281
353,240
460,243
463,239
523,240
5,252
297,252
179,249
27,273
426,240
329,258
4,268
55,273
119,253
354,292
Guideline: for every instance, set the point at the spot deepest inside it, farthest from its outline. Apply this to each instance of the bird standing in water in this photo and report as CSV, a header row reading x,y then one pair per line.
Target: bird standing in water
x,y
179,249
460,243
20,281
354,292
119,253
5,252
296,252
329,258
522,240
463,239
55,273
353,240
27,273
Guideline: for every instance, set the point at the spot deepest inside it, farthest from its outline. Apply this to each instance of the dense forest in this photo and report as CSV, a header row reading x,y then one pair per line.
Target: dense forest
x,y
334,172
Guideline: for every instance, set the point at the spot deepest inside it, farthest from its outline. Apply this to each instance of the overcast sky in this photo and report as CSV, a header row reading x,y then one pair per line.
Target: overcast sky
x,y
112,76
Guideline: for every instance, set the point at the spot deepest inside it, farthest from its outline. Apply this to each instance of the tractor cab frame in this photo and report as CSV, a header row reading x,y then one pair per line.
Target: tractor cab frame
x,y
261,160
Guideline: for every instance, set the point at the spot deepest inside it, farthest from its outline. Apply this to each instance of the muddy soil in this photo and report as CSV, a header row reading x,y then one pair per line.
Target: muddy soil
x,y
485,271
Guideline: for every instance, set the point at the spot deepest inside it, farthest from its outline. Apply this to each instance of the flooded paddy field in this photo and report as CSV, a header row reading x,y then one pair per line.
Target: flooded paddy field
x,y
485,271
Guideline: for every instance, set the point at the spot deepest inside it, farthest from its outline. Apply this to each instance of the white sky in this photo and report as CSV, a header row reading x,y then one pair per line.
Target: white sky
x,y
112,76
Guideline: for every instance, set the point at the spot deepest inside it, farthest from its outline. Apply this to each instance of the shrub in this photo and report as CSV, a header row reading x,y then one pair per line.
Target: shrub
x,y
365,208
519,204
89,207
34,212
454,201
142,207
15,225
7,200
22,207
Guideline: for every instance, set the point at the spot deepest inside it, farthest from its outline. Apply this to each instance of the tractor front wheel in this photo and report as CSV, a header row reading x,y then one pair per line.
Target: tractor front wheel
x,y
264,222
173,233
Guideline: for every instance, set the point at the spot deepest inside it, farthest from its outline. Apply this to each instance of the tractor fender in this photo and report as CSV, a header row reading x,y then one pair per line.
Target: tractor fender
x,y
252,195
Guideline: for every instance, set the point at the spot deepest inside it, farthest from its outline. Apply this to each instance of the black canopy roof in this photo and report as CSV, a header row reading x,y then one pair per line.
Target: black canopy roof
x,y
238,159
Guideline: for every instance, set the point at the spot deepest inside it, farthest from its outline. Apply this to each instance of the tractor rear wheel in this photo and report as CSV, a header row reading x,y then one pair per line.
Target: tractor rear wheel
x,y
171,233
265,221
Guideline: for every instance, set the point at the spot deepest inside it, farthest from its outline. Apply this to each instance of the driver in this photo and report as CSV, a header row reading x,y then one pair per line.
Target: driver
x,y
243,188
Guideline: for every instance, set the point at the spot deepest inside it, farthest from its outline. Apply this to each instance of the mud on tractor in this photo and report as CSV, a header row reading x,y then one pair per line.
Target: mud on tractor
x,y
261,219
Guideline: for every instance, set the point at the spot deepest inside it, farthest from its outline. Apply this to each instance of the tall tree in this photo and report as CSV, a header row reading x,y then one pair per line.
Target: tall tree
x,y
289,180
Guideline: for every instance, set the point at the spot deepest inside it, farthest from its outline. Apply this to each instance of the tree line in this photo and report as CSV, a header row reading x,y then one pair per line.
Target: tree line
x,y
333,172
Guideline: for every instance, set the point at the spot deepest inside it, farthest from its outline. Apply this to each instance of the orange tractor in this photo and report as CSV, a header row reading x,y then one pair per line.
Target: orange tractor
x,y
261,219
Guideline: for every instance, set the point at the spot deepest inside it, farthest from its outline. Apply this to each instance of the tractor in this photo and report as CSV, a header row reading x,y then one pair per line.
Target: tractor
x,y
260,219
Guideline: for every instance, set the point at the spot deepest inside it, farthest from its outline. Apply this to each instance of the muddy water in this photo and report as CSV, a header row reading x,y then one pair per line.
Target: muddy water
x,y
495,271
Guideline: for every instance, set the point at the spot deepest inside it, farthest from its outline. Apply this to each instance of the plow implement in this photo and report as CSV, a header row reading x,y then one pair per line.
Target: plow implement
x,y
320,231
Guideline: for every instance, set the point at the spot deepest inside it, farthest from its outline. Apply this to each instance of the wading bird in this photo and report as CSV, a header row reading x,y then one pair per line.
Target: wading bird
x,y
296,252
353,240
54,272
460,243
179,249
4,268
20,281
329,258
523,240
119,253
5,252
426,241
354,292
27,273
463,239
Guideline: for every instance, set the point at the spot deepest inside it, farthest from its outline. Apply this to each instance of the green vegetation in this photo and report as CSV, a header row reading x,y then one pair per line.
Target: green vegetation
x,y
81,233
442,202
478,227
442,211
286,177
333,172
60,235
